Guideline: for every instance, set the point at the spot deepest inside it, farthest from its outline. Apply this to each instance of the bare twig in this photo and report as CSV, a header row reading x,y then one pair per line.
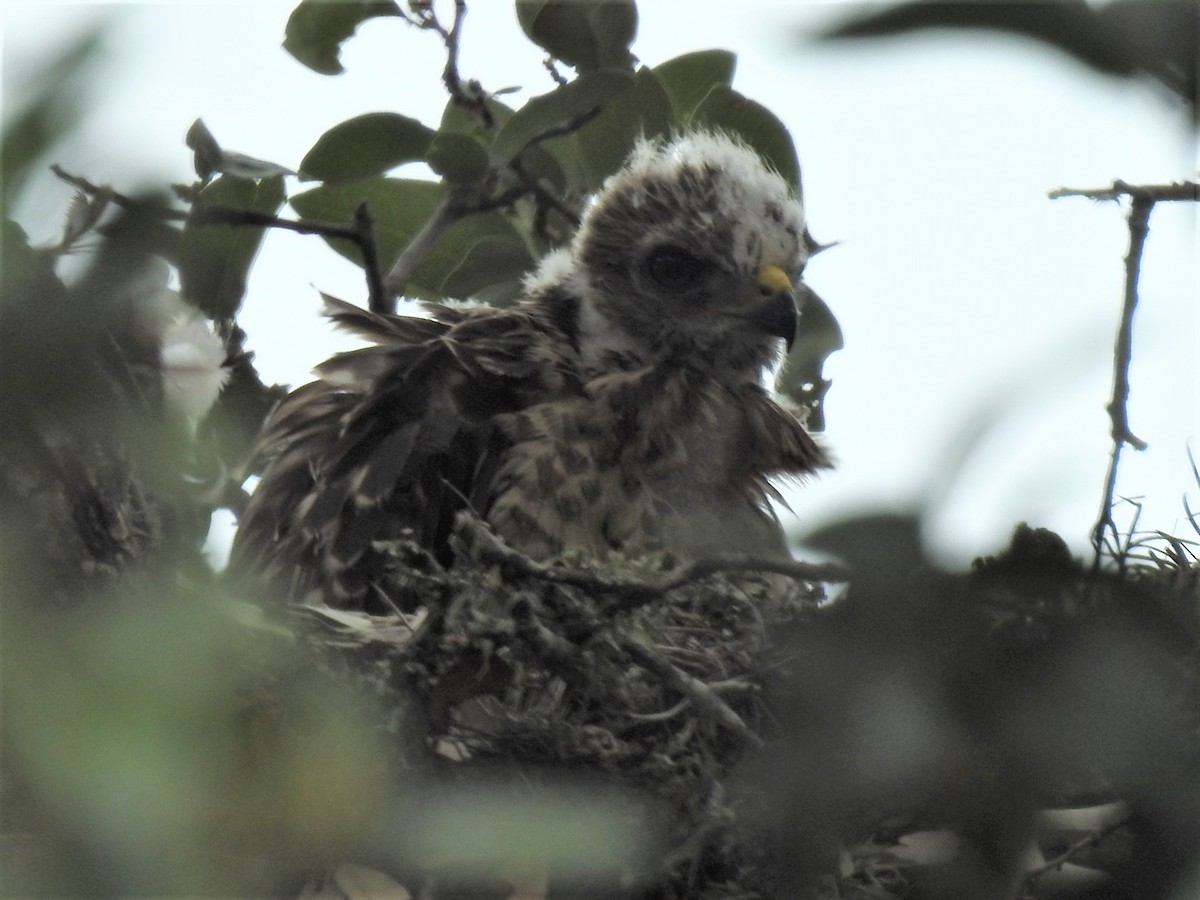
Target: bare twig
x,y
1179,190
549,645
364,225
1089,840
1139,217
469,94
635,592
544,198
94,190
1142,199
548,64
361,233
700,694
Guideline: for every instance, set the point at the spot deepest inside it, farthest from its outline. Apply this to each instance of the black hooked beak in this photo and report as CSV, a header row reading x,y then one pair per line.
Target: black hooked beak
x,y
777,315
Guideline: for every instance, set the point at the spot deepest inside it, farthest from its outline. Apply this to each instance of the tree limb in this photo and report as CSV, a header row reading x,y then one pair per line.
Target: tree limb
x,y
1179,190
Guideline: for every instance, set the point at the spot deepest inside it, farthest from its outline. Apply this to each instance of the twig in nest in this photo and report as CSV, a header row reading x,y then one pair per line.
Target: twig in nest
x,y
549,645
701,695
635,592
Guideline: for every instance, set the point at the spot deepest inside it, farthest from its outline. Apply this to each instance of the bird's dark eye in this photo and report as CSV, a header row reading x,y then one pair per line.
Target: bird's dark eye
x,y
673,268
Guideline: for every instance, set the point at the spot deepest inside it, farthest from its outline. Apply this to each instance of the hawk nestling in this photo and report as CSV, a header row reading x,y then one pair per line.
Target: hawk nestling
x,y
618,406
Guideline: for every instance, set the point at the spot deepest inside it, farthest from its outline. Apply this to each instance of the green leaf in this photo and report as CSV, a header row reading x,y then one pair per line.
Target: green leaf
x,y
587,35
210,159
317,29
543,165
47,104
214,260
643,110
399,207
491,263
206,152
587,94
726,110
614,25
818,335
243,166
495,253
689,78
458,158
366,146
456,120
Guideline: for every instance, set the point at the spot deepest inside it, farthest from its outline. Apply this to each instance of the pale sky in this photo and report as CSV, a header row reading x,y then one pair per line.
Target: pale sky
x,y
975,309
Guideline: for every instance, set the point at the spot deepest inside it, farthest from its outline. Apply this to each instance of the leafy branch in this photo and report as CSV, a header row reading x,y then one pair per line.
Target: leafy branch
x,y
469,94
361,233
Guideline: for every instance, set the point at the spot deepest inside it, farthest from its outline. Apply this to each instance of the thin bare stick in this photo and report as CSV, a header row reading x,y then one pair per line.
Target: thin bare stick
x,y
361,233
1142,198
1179,190
635,592
1091,839
377,297
1118,411
701,695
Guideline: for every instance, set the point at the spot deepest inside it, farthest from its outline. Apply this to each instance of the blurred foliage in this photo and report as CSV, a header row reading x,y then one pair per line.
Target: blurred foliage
x,y
52,104
161,735
1125,38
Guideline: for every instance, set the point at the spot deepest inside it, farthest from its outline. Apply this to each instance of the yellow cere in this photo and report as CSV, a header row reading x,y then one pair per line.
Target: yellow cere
x,y
773,279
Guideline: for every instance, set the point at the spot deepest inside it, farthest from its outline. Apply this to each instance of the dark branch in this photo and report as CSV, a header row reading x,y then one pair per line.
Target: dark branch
x,y
361,233
1142,198
467,94
1180,190
364,225
1091,839
94,190
544,198
548,64
1139,226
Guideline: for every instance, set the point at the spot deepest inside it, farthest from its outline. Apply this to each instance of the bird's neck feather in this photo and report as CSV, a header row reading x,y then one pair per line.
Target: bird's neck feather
x,y
601,340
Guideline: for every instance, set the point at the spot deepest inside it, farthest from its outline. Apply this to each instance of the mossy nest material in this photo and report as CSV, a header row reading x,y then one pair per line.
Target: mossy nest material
x,y
646,674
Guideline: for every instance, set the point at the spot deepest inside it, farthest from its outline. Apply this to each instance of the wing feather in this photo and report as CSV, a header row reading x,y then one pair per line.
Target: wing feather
x,y
392,439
